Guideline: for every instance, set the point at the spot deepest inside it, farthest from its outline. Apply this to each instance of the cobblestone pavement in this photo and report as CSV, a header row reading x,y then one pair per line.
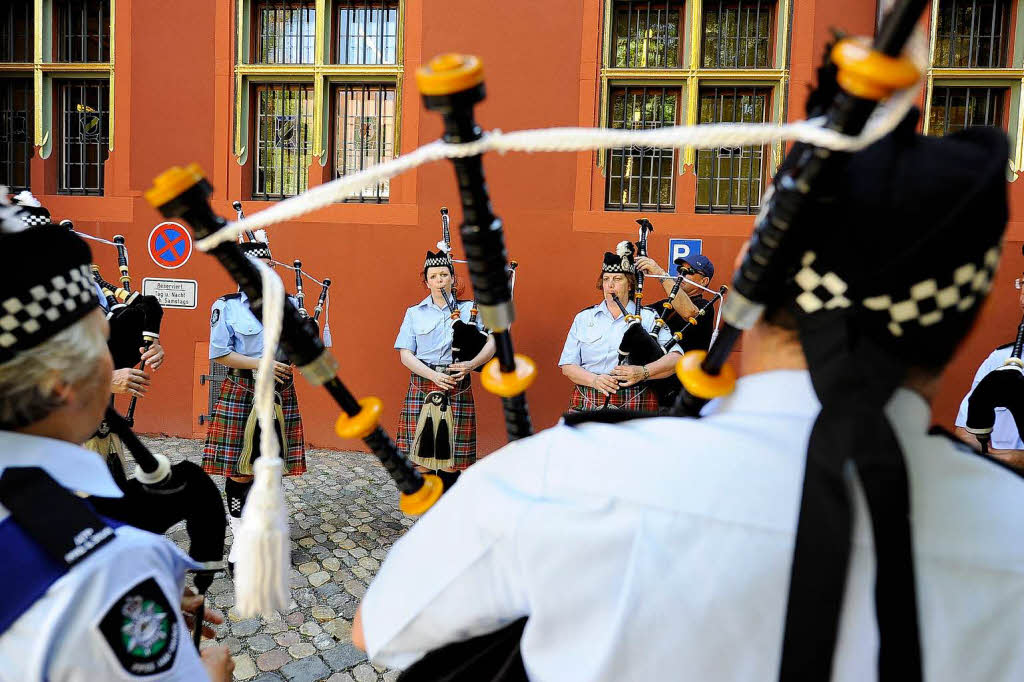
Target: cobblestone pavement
x,y
344,518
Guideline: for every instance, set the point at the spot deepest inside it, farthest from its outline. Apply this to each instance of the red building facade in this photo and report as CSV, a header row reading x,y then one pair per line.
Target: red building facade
x,y
272,97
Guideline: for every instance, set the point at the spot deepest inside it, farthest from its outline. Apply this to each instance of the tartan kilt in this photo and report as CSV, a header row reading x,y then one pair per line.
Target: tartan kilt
x,y
226,434
463,419
639,397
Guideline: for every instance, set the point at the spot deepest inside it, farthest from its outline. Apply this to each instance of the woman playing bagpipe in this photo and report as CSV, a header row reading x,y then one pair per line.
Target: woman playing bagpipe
x,y
437,428
232,441
590,357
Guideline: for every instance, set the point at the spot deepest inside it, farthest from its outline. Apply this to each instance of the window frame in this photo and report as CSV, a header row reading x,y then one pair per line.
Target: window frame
x,y
10,85
336,123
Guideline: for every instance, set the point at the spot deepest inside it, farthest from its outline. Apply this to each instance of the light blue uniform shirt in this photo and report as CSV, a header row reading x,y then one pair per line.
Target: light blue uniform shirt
x,y
1004,431
233,327
594,337
101,296
427,331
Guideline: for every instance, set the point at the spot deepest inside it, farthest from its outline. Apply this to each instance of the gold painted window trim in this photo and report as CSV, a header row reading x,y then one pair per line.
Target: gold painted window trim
x,y
320,73
690,77
43,69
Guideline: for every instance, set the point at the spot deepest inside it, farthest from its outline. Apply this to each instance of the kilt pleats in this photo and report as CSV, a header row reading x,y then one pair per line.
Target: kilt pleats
x,y
463,419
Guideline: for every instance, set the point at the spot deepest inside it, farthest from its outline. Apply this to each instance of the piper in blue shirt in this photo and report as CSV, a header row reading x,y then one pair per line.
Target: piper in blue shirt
x,y
590,356
437,429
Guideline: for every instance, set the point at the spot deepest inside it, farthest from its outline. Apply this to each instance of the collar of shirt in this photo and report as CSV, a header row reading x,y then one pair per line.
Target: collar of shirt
x,y
428,302
603,307
74,467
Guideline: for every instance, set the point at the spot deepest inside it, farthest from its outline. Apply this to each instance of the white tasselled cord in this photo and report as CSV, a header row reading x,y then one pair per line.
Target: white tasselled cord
x,y
263,541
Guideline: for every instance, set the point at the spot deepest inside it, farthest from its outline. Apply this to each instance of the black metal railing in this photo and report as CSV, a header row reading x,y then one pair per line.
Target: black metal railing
x,y
954,109
85,135
367,32
738,34
645,35
285,32
284,136
364,134
642,178
971,34
83,30
16,133
17,19
729,179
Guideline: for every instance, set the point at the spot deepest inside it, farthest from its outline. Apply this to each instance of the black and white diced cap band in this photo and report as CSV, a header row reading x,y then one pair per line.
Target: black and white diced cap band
x,y
261,251
437,262
624,265
43,306
925,303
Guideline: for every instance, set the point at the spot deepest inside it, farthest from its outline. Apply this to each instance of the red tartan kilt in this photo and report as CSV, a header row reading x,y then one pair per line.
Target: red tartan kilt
x,y
463,418
226,432
638,397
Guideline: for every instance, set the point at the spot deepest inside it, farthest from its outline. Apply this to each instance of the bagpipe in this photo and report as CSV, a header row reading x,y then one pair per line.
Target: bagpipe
x,y
467,339
1002,387
677,337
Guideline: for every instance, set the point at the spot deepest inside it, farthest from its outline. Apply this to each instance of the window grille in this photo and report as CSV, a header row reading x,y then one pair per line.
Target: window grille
x,y
364,134
16,133
729,179
17,18
971,34
286,32
284,135
367,32
85,135
83,30
646,34
642,178
738,34
954,109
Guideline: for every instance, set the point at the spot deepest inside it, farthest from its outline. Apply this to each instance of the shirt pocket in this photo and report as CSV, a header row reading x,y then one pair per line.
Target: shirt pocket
x,y
247,330
429,331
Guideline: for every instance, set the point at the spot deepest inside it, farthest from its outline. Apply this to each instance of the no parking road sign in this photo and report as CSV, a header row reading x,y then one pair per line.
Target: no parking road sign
x,y
170,245
681,248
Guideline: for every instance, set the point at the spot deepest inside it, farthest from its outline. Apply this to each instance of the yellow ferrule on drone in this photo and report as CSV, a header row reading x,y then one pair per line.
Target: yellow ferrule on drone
x,y
363,423
423,499
869,74
449,73
699,383
172,183
633,318
1014,361
512,383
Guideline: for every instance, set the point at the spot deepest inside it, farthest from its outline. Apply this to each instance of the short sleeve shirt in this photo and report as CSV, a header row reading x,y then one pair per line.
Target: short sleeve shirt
x,y
594,337
1004,432
427,330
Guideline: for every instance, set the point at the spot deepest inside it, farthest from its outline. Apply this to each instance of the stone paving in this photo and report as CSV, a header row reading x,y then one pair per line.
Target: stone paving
x,y
344,518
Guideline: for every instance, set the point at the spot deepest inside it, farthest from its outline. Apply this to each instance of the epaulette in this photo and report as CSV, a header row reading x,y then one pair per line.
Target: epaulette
x,y
228,297
1005,345
603,417
968,450
589,307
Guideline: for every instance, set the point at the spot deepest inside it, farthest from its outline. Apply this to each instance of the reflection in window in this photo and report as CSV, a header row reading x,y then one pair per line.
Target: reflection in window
x,y
15,133
284,135
84,134
737,34
646,35
16,21
729,179
83,30
286,32
642,178
364,134
367,32
971,33
954,109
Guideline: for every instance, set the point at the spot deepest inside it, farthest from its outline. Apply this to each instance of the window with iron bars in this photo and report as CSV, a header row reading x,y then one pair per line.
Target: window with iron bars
x,y
284,135
971,34
16,143
367,32
738,34
642,178
84,134
16,35
954,109
364,134
83,30
286,32
729,179
646,35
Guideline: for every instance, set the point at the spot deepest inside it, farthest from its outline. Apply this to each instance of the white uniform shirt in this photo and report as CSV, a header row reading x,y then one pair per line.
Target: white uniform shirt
x,y
594,337
58,638
427,330
1004,431
677,568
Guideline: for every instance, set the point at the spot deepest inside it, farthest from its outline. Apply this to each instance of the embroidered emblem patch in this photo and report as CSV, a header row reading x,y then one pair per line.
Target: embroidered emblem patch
x,y
141,629
214,317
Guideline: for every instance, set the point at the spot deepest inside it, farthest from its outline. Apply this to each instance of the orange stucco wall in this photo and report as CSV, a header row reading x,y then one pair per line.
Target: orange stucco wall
x,y
173,99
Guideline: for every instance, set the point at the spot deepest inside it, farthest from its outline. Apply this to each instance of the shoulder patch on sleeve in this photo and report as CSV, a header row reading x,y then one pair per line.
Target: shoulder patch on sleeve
x,y
142,630
214,316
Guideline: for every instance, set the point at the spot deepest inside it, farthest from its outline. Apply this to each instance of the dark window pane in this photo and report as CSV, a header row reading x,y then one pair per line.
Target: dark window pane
x,y
367,32
729,179
83,30
954,109
646,34
17,18
972,33
738,34
286,32
85,136
642,178
364,134
16,143
284,139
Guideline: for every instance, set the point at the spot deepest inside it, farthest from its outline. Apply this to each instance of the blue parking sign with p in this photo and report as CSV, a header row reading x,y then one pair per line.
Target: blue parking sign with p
x,y
681,248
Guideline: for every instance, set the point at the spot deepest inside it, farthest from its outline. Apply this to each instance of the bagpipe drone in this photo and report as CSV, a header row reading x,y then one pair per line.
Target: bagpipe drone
x,y
1002,387
467,340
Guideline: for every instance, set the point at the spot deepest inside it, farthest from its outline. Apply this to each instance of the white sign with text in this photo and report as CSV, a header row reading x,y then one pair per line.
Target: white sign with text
x,y
172,293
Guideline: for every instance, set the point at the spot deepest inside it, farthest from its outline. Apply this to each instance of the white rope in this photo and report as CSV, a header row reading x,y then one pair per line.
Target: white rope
x,y
293,268
95,239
